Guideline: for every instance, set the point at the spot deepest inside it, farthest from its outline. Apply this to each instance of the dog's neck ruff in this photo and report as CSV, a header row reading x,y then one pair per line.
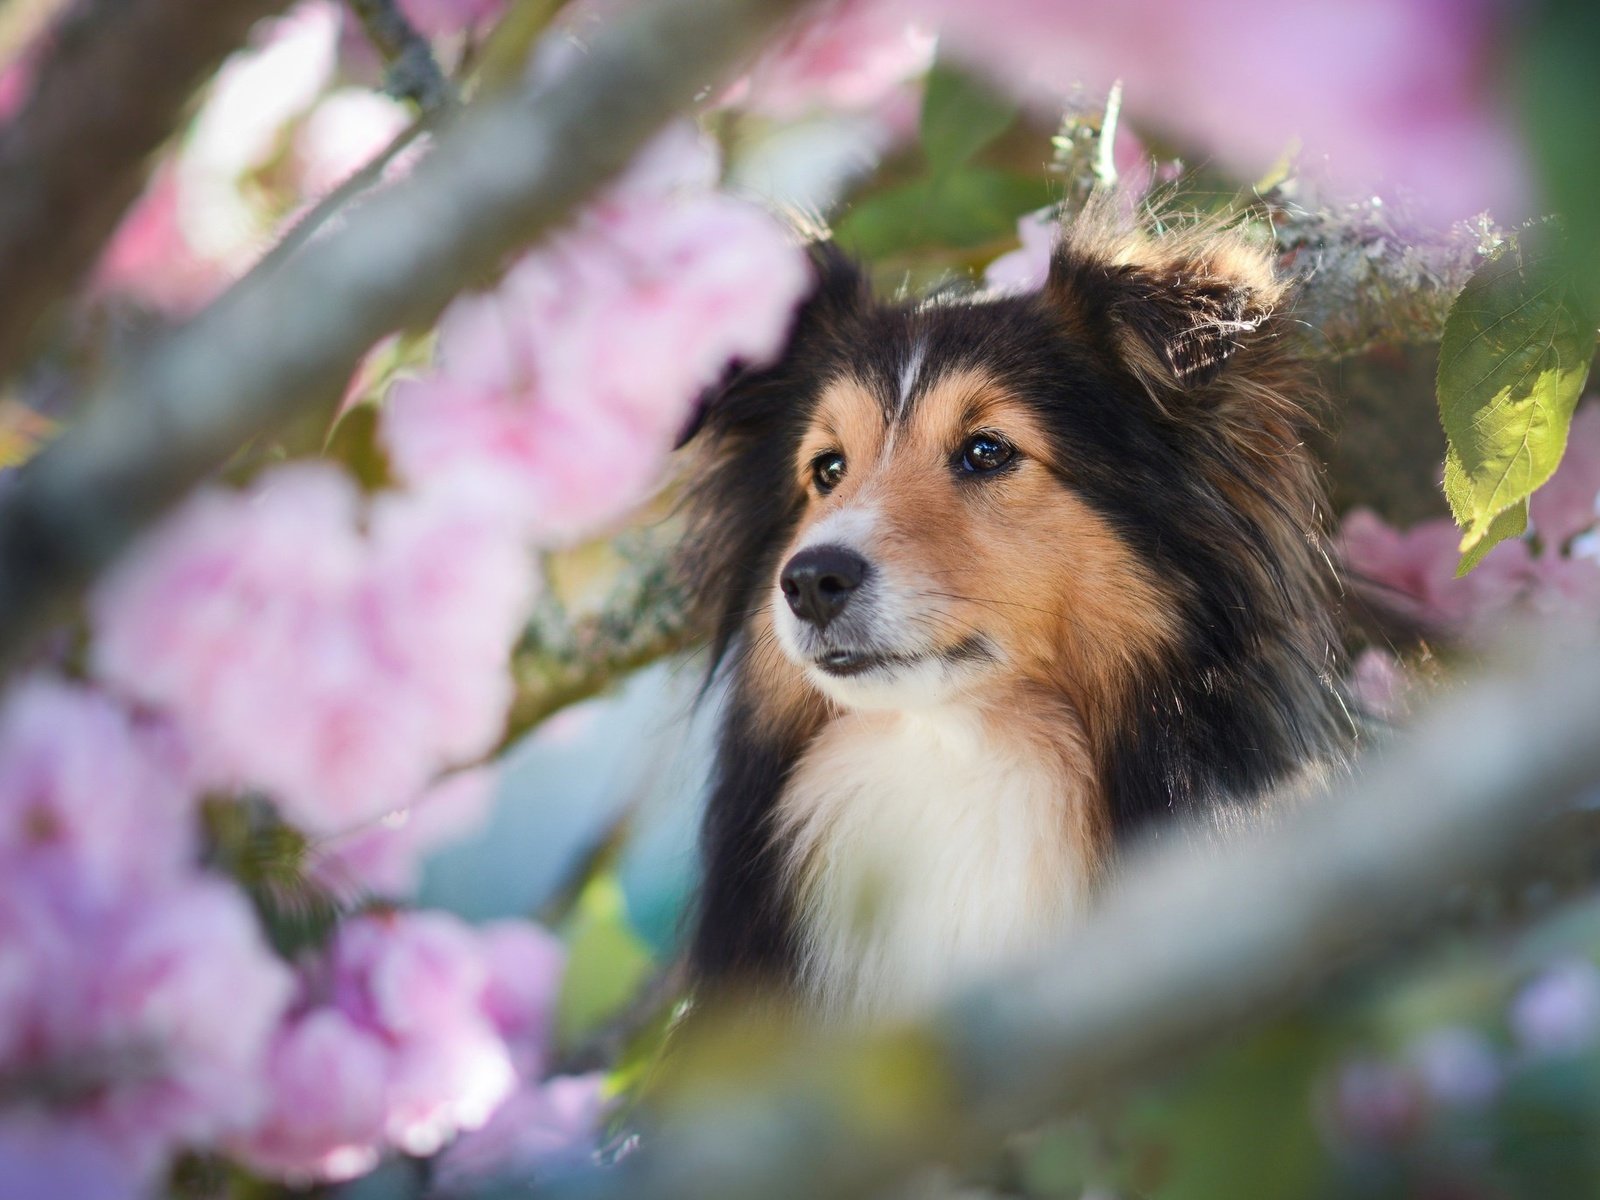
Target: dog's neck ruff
x,y
927,849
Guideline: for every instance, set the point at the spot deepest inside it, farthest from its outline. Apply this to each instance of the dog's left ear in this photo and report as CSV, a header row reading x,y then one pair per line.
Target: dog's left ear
x,y
1173,309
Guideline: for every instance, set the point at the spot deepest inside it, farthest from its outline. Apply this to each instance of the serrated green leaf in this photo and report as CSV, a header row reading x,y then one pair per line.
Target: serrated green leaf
x,y
606,961
1512,365
972,207
960,116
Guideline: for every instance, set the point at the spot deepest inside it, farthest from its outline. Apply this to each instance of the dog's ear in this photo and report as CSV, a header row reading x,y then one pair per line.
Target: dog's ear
x,y
839,292
1174,309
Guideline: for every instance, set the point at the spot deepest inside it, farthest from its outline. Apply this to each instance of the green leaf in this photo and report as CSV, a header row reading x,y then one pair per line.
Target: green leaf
x,y
606,961
960,116
1553,69
972,207
1512,365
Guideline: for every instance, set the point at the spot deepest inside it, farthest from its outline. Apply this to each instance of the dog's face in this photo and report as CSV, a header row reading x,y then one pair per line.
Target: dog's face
x,y
940,549
920,502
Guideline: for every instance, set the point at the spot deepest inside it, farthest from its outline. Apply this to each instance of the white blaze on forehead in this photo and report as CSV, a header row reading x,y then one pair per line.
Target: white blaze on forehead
x,y
910,372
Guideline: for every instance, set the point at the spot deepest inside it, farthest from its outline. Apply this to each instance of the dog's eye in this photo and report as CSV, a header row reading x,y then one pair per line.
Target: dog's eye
x,y
827,469
985,452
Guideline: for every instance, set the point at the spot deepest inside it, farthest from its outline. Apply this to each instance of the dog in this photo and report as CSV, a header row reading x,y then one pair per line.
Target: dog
x,y
999,584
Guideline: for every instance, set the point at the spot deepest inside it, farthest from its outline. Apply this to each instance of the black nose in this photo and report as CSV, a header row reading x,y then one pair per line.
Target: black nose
x,y
817,582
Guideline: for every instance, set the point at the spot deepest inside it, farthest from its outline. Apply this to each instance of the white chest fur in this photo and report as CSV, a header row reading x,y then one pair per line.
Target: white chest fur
x,y
927,850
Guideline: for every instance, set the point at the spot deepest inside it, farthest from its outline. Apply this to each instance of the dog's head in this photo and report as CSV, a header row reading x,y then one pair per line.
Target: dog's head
x,y
921,501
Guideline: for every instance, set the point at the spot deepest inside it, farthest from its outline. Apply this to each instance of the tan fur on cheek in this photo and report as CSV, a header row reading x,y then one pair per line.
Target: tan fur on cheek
x,y
789,710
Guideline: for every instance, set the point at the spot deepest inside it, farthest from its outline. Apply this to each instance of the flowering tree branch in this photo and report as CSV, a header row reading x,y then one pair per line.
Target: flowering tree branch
x,y
503,173
1195,941
113,86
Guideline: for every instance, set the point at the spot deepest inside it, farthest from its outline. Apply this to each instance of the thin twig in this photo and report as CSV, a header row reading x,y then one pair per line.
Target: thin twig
x,y
412,72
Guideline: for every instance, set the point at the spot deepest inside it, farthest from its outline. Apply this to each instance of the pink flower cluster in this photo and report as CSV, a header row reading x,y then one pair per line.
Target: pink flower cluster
x,y
334,653
1556,577
415,1028
136,994
563,389
846,54
1388,94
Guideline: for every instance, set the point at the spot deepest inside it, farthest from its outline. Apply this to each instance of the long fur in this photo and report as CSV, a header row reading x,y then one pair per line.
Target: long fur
x,y
1160,369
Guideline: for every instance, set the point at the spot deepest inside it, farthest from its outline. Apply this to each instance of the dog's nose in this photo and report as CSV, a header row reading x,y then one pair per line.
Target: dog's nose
x,y
818,582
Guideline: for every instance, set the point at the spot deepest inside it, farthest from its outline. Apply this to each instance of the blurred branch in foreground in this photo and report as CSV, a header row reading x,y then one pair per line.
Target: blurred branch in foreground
x,y
114,84
1196,941
502,173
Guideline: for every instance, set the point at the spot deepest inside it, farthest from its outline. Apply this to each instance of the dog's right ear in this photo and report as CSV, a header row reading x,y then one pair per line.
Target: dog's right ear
x,y
840,291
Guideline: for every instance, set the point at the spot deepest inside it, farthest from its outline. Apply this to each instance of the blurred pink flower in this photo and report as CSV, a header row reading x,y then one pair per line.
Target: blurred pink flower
x,y
344,132
845,54
92,805
1388,93
435,17
418,980
143,1024
542,1125
335,668
563,389
525,967
385,858
1416,569
326,1080
1565,506
418,1028
150,259
1379,684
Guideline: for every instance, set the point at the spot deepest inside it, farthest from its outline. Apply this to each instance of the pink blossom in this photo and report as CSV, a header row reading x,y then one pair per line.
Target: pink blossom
x,y
418,979
525,967
415,1029
1025,268
1417,569
339,669
1379,684
92,805
1565,506
151,259
540,1126
562,391
344,132
326,1078
846,54
385,858
145,1022
1246,79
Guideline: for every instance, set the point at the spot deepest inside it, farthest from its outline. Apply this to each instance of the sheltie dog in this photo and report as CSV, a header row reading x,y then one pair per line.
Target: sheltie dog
x,y
1000,583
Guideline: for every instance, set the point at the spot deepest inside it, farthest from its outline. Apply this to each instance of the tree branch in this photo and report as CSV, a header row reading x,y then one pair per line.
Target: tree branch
x,y
502,173
113,86
642,619
1193,942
